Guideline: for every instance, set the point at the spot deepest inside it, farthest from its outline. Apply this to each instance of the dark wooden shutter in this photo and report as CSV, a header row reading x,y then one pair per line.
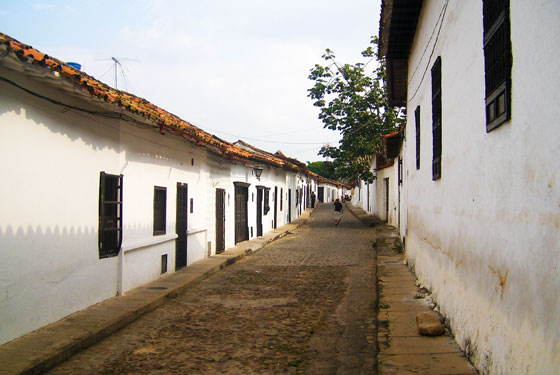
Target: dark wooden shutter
x,y
220,220
436,119
110,214
160,203
181,224
241,214
417,120
497,62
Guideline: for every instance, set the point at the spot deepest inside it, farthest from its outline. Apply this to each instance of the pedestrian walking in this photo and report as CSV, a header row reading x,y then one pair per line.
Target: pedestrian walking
x,y
312,199
337,212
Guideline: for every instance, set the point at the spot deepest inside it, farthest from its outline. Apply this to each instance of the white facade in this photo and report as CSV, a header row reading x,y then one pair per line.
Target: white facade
x,y
50,263
485,237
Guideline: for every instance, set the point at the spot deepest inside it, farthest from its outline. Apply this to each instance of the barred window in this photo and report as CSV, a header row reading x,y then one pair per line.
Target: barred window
x,y
160,203
436,119
110,215
497,62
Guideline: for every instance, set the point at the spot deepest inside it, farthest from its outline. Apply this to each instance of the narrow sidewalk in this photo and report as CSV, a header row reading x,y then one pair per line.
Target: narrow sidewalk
x,y
402,350
48,346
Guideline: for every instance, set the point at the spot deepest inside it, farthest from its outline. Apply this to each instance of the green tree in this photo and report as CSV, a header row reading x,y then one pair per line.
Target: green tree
x,y
352,100
323,168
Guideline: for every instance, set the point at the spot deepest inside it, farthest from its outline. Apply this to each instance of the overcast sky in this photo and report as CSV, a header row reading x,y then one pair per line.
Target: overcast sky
x,y
236,68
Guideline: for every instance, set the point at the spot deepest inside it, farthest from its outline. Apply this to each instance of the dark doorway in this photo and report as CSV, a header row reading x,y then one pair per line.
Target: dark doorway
x,y
220,220
260,194
181,226
386,185
368,207
275,222
289,205
241,217
321,194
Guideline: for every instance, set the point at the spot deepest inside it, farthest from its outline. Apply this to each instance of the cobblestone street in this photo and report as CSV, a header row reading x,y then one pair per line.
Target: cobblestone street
x,y
302,305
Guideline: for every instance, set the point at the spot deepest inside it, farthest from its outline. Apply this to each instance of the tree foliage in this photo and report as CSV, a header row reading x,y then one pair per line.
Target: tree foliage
x,y
323,168
352,100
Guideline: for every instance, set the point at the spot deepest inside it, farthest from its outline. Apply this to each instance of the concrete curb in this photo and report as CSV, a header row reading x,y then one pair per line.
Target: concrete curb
x,y
40,350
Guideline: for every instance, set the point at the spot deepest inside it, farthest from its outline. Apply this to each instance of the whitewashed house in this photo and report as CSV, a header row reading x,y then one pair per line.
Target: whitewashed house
x,y
480,205
382,197
103,191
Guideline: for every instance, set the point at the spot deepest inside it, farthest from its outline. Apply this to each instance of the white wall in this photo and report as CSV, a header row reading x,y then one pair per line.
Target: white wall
x,y
149,159
49,199
391,174
49,257
485,237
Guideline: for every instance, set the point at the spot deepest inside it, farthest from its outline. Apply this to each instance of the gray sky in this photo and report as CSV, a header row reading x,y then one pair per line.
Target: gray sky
x,y
237,69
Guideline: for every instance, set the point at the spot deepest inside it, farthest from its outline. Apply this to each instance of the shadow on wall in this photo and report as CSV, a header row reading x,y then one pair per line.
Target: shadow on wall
x,y
60,120
48,273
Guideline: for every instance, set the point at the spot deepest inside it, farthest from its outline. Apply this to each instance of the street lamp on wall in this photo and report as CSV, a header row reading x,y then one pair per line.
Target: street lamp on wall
x,y
258,172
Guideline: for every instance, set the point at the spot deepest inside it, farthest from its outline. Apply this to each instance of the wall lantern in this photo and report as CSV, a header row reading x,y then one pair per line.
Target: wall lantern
x,y
258,172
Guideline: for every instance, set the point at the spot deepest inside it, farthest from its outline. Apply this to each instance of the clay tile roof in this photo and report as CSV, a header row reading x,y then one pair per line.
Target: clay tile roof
x,y
390,135
155,116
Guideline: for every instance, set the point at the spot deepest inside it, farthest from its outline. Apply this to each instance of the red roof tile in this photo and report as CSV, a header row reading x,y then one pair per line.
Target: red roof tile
x,y
160,118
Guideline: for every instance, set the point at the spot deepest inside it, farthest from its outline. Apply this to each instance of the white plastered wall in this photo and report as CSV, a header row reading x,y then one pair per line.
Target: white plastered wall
x,y
49,262
485,237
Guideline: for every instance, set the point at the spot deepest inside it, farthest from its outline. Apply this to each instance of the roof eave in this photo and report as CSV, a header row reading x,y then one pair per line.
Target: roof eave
x,y
397,27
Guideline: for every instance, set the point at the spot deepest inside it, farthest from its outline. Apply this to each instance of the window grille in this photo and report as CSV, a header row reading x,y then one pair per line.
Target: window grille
x,y
436,119
110,214
497,62
160,203
417,120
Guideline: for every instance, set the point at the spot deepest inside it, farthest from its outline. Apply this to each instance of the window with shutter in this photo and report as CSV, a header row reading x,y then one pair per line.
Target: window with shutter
x,y
160,203
110,215
417,120
436,119
497,62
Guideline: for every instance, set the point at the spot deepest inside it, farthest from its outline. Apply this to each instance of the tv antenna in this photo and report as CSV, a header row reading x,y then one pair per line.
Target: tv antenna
x,y
118,66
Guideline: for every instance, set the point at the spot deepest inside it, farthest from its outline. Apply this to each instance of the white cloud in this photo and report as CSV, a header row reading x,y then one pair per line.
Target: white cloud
x,y
239,67
43,6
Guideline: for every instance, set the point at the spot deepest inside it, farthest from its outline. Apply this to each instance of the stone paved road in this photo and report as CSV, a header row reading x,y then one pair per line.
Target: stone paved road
x,y
302,305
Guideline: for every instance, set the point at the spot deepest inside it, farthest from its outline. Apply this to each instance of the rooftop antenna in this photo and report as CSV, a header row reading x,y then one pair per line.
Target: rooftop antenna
x,y
118,65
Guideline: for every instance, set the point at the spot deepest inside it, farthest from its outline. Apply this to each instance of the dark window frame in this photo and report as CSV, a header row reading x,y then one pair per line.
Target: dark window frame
x,y
160,210
110,215
436,119
417,123
498,61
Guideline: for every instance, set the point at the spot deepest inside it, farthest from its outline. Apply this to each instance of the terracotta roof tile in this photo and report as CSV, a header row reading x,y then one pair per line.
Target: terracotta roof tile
x,y
160,118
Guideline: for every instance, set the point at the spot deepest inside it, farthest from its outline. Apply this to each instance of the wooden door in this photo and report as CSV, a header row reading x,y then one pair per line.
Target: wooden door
x,y
386,180
259,211
321,194
289,205
241,222
181,226
275,222
220,220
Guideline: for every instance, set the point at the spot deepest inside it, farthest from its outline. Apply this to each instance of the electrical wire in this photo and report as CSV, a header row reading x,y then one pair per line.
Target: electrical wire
x,y
444,10
129,119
